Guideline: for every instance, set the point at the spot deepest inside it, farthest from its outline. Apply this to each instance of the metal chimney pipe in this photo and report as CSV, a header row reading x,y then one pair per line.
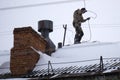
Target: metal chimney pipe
x,y
45,27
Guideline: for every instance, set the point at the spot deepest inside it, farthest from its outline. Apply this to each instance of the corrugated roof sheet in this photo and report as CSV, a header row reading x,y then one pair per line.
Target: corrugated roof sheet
x,y
110,65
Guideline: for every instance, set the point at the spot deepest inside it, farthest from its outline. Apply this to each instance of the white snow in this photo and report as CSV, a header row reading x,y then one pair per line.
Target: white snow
x,y
4,56
73,55
5,68
4,62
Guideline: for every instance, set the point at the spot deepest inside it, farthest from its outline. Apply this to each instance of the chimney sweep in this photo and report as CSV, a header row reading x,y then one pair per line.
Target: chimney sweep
x,y
77,20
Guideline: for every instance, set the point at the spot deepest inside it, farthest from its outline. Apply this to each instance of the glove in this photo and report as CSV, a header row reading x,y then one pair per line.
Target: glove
x,y
88,18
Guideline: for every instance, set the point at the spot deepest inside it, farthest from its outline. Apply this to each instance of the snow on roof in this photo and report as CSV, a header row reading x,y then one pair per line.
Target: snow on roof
x,y
86,53
78,53
4,62
4,56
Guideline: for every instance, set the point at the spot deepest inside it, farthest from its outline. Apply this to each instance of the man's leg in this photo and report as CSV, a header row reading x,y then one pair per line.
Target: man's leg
x,y
76,39
77,35
80,36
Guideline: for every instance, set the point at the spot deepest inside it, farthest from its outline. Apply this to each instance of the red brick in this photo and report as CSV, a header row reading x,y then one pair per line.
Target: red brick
x,y
23,57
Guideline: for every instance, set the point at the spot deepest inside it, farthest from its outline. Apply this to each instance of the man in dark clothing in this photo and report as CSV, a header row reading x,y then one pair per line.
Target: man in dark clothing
x,y
77,20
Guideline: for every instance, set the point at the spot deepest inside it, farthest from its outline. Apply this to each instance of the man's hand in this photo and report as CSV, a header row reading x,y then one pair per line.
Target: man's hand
x,y
88,18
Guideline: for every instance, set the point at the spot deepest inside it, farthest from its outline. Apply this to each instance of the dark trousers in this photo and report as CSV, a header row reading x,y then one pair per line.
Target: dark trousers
x,y
79,34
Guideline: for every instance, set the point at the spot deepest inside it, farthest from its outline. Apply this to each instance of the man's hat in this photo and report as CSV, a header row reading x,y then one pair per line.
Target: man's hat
x,y
83,9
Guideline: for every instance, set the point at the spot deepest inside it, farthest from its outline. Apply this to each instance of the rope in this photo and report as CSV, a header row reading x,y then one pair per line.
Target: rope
x,y
89,24
84,3
92,13
89,31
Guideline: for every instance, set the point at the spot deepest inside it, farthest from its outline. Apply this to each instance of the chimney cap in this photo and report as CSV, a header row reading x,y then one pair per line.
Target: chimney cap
x,y
45,25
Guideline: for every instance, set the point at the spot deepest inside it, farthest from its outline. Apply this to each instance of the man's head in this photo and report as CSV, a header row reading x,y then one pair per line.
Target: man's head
x,y
83,10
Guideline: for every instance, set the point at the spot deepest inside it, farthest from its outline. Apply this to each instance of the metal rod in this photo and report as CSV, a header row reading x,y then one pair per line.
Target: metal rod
x,y
65,27
101,64
48,70
50,66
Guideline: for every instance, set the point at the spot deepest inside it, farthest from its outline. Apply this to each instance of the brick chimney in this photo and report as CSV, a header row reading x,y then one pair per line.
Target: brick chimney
x,y
23,57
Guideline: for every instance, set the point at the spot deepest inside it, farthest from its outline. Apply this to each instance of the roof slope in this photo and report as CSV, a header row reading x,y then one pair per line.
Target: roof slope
x,y
80,52
78,58
4,62
111,65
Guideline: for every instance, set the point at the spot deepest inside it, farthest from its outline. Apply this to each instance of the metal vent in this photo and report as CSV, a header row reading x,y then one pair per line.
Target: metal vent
x,y
45,27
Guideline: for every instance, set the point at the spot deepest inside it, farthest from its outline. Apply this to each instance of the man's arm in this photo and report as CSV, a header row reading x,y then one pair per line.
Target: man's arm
x,y
85,19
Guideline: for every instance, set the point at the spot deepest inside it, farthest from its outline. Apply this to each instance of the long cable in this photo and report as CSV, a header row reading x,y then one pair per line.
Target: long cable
x,y
39,4
89,24
92,13
84,3
89,31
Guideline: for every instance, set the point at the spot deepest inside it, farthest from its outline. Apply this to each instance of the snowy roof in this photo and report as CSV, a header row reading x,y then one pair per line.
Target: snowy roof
x,y
76,58
80,52
4,61
111,65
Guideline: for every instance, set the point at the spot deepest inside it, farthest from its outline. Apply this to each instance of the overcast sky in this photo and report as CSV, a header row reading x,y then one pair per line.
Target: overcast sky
x,y
105,21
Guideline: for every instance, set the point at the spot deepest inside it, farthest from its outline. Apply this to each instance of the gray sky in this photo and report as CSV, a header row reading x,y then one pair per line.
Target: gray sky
x,y
105,27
